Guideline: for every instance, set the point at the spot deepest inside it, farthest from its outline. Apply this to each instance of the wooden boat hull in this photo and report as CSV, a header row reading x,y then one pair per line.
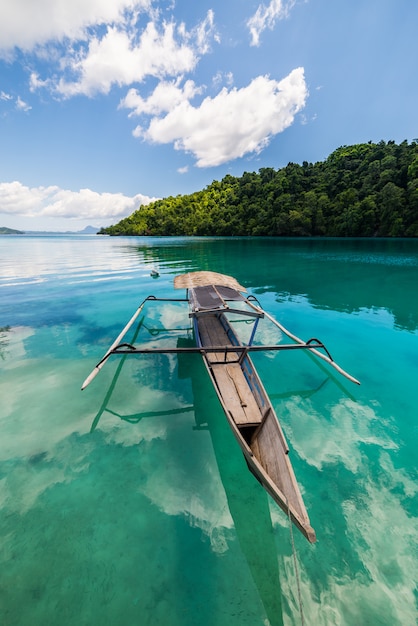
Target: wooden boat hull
x,y
211,297
252,418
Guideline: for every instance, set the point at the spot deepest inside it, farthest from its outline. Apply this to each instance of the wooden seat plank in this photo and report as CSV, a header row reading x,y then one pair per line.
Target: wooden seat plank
x,y
229,377
212,333
237,395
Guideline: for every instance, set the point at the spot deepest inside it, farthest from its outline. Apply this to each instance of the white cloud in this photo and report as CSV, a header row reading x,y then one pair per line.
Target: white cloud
x,y
351,426
355,436
18,102
165,97
26,24
223,78
377,582
203,33
116,59
120,48
17,199
21,105
36,83
266,17
87,47
230,125
91,45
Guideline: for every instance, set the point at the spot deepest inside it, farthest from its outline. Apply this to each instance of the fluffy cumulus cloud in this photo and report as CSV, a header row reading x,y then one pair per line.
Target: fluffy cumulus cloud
x,y
89,47
120,49
117,58
26,24
165,97
17,199
266,17
233,123
380,570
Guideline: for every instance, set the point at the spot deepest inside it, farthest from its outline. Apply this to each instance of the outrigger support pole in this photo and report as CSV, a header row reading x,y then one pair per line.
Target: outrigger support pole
x,y
241,350
127,348
119,338
324,357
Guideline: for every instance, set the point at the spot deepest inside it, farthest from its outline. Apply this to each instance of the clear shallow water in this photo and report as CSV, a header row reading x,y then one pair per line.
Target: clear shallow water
x,y
129,503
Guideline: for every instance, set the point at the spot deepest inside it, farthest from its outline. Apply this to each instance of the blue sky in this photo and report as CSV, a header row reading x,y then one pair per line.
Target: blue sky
x,y
107,104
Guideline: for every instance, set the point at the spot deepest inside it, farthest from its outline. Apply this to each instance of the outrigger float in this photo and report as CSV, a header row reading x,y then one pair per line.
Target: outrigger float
x,y
213,299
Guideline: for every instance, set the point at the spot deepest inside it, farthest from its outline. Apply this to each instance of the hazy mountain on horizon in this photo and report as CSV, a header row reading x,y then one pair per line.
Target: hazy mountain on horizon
x,y
88,230
10,231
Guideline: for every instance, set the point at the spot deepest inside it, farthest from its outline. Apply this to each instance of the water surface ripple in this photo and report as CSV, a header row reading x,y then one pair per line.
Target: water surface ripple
x,y
130,503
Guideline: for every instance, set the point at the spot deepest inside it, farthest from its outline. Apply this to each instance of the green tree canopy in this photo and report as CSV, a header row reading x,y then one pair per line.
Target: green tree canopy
x,y
363,190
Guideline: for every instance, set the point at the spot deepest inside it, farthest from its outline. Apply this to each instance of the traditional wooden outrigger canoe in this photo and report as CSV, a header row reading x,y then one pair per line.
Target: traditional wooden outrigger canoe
x,y
214,299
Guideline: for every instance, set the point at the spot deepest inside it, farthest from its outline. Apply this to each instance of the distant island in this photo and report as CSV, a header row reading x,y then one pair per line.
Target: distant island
x,y
88,230
9,231
364,190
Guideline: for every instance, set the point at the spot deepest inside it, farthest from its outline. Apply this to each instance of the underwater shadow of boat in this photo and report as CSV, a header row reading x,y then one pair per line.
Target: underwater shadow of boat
x,y
247,502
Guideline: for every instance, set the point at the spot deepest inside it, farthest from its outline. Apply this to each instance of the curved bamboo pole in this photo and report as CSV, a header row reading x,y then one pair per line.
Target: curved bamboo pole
x,y
300,341
99,366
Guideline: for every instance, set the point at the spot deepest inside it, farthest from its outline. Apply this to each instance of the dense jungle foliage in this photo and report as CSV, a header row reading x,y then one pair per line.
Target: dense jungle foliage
x,y
364,190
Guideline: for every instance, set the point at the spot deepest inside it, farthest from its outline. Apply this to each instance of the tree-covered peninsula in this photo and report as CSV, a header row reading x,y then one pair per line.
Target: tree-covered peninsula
x,y
364,190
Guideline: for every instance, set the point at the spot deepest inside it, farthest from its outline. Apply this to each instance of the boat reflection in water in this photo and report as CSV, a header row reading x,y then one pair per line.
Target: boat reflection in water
x,y
217,302
247,501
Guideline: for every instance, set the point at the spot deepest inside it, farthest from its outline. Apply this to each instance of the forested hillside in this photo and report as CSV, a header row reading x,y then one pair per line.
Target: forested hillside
x,y
363,190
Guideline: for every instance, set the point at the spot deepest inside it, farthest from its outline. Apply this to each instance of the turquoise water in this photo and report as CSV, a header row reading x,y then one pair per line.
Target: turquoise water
x,y
130,503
